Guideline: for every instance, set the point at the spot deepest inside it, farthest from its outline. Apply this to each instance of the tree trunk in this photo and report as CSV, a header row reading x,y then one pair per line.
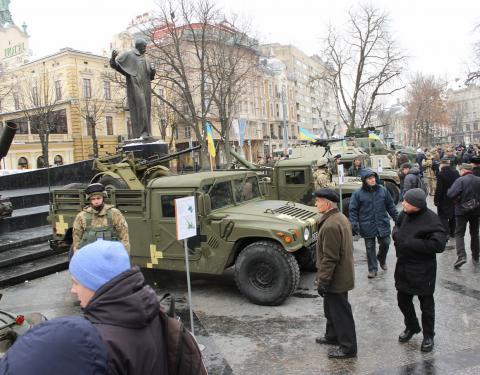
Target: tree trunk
x,y
94,140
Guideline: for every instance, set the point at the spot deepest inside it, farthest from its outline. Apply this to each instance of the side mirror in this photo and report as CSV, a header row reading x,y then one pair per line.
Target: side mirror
x,y
204,204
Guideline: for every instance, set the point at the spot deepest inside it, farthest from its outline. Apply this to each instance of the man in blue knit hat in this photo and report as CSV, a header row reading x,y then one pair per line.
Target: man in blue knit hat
x,y
123,309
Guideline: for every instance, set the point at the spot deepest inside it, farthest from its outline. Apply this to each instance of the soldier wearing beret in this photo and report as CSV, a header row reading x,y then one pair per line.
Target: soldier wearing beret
x,y
98,220
335,275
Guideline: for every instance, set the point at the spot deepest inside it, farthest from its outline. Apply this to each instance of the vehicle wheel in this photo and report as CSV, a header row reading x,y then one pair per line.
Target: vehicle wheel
x,y
393,190
112,183
345,205
266,274
306,259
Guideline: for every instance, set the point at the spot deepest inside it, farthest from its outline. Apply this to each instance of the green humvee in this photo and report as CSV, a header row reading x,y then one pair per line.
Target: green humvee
x,y
266,240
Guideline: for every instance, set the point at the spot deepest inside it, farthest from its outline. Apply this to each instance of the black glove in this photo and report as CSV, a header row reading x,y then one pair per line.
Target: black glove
x,y
322,289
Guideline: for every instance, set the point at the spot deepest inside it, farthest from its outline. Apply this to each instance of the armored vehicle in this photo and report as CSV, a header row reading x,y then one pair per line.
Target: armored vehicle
x,y
293,179
5,142
265,240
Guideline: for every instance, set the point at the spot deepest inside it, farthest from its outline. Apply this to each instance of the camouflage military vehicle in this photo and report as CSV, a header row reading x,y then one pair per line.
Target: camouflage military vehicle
x,y
348,155
292,179
265,240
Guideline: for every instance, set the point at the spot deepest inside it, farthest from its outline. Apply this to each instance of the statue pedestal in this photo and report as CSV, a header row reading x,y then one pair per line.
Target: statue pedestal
x,y
146,148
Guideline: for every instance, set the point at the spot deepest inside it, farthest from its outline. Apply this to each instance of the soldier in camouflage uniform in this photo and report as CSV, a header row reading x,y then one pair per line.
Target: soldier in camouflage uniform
x,y
428,168
99,220
322,177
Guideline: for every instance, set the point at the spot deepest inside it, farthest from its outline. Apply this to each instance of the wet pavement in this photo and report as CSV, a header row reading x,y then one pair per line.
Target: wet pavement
x,y
242,338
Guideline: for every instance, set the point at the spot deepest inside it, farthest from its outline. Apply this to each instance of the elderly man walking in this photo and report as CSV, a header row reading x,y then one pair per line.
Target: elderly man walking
x,y
418,236
335,275
369,209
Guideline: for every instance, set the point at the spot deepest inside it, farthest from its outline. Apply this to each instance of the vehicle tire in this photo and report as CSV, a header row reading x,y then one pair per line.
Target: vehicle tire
x,y
393,190
345,205
112,183
266,274
306,259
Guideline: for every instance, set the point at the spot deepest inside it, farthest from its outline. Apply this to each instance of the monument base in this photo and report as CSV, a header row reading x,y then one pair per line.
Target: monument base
x,y
145,148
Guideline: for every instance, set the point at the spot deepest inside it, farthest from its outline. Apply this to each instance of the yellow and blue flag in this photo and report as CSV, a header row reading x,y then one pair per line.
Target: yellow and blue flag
x,y
305,135
373,135
211,145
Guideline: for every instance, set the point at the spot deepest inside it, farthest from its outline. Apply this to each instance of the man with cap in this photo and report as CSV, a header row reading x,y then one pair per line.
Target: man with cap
x,y
369,209
465,191
322,178
335,275
123,309
476,165
446,206
99,220
356,167
418,236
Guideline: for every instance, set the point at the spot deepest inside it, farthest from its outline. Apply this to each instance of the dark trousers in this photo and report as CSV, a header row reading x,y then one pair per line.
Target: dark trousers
x,y
340,323
449,224
427,305
372,257
460,229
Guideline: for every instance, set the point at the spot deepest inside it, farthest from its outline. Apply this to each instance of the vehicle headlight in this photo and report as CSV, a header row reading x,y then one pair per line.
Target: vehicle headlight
x,y
306,234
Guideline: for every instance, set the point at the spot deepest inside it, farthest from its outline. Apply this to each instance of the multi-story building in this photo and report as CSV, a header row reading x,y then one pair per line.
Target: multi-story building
x,y
464,115
14,48
75,91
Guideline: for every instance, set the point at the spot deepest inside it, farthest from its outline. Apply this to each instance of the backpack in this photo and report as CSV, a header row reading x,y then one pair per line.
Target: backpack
x,y
183,354
421,184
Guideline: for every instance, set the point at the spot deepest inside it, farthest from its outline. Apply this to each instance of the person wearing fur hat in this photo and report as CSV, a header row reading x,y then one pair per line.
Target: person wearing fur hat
x,y
123,309
99,220
418,236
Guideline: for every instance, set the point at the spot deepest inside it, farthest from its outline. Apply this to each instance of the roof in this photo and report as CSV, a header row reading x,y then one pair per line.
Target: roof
x,y
195,180
298,162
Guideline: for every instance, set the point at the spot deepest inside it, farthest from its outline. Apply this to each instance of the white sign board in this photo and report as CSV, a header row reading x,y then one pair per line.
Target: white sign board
x,y
380,165
341,174
185,217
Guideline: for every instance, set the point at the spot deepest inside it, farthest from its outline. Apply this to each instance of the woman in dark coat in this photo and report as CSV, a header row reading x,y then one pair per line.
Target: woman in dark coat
x,y
418,235
445,206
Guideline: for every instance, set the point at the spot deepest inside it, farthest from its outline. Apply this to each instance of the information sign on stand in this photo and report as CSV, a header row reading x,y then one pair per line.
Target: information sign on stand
x,y
341,181
186,222
380,165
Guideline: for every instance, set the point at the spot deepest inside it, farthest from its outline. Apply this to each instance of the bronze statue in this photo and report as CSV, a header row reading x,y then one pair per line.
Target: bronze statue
x,y
133,65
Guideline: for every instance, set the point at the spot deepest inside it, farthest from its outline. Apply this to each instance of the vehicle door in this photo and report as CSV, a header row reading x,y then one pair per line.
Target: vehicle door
x,y
295,184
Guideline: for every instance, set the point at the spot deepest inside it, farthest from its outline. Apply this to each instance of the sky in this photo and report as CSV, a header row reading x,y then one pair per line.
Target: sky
x,y
437,35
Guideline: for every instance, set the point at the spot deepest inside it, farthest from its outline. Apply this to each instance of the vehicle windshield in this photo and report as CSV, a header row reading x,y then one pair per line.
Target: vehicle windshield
x,y
220,194
246,189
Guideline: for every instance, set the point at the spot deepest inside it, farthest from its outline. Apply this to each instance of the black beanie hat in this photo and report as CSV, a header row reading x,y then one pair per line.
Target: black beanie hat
x,y
416,197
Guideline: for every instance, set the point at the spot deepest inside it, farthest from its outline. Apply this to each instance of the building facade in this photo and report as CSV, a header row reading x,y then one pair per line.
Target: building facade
x,y
464,115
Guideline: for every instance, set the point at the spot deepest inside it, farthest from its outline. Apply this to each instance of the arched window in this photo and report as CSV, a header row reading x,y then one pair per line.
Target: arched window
x,y
40,162
58,160
22,163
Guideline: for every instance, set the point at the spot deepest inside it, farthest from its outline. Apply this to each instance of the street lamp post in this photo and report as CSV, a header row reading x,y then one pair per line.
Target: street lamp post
x,y
285,125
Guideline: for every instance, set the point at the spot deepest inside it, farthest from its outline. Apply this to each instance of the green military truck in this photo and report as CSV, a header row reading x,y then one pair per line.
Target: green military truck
x,y
267,241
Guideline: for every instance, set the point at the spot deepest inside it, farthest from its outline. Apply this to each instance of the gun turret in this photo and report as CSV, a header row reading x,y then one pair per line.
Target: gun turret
x,y
7,138
155,160
325,142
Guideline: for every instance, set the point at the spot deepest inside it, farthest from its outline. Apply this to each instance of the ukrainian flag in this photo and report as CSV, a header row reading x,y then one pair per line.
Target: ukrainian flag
x,y
305,135
211,145
373,135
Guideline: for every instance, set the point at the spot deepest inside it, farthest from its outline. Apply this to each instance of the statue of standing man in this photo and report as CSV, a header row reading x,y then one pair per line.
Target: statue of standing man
x,y
133,65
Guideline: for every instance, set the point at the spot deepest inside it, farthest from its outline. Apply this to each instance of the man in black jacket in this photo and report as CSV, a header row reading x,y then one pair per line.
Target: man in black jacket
x,y
122,308
466,193
476,165
419,235
445,205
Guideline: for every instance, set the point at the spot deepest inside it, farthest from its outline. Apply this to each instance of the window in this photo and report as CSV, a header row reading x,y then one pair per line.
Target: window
x,y
220,194
188,132
168,205
129,128
109,122
58,160
87,88
35,100
295,177
16,102
58,90
90,124
41,162
106,90
22,163
246,189
175,133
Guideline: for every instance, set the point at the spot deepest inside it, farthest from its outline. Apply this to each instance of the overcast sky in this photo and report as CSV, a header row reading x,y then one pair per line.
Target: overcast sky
x,y
437,34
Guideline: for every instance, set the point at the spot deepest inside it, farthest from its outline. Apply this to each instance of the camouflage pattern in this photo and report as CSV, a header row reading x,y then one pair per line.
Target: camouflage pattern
x,y
99,220
429,174
322,179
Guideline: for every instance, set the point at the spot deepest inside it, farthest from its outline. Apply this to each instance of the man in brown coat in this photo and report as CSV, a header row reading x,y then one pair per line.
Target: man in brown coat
x,y
335,275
